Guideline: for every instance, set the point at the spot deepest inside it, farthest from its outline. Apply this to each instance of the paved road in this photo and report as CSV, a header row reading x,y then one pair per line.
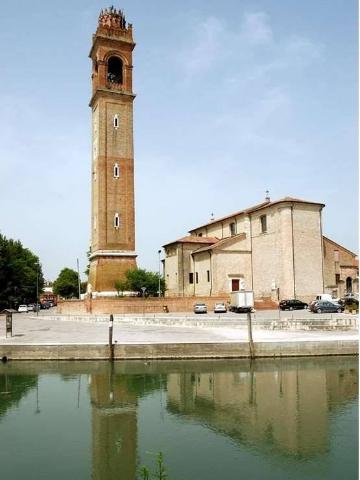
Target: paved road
x,y
46,329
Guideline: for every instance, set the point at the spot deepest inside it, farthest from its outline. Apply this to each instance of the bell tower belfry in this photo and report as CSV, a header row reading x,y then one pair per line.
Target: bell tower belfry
x,y
113,207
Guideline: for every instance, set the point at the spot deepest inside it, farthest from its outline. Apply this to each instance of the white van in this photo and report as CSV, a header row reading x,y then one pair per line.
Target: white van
x,y
327,297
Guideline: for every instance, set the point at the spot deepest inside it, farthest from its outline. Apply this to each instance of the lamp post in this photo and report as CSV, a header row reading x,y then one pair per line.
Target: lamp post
x,y
159,253
37,288
79,283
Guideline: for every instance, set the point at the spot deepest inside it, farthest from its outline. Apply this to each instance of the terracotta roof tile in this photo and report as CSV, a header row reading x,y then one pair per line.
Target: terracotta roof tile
x,y
259,206
194,239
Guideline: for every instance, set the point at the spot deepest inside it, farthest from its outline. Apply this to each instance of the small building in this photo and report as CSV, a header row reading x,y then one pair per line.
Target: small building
x,y
275,248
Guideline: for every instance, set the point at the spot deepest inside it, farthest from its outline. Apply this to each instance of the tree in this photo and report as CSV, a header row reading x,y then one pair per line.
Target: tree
x,y
120,286
137,279
20,274
66,285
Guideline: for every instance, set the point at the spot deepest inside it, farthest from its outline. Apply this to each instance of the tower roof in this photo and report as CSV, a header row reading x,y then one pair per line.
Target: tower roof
x,y
112,19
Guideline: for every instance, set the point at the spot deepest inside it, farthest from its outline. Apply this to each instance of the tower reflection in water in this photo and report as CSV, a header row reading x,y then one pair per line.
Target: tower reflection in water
x,y
281,407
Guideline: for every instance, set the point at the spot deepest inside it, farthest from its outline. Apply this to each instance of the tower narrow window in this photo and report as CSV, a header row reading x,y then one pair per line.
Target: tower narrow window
x,y
116,171
116,220
116,121
232,228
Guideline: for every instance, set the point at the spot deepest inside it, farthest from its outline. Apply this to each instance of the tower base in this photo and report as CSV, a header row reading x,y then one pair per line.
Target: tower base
x,y
105,270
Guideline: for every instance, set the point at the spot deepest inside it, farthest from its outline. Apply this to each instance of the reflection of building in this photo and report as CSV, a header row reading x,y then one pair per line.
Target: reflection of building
x,y
114,427
275,248
285,410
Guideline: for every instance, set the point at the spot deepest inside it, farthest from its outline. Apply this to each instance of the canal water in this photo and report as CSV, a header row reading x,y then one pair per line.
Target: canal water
x,y
270,419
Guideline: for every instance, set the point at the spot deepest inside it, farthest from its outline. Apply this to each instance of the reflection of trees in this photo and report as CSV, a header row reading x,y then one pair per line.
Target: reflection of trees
x,y
13,388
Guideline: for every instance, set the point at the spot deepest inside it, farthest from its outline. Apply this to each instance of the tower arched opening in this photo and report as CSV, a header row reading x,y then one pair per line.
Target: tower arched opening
x,y
115,70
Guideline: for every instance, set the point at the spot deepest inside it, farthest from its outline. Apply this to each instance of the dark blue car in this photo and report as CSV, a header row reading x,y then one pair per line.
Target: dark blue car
x,y
327,307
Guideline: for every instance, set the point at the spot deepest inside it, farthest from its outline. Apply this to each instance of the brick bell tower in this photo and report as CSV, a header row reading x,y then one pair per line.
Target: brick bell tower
x,y
113,209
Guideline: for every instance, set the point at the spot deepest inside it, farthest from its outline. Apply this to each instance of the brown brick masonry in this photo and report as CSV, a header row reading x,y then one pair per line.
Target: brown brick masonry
x,y
119,305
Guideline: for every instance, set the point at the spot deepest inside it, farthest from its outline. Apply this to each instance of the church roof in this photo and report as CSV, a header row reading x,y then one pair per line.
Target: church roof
x,y
259,206
220,243
194,239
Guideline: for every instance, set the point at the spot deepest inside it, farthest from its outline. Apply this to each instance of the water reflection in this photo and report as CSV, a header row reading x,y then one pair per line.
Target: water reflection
x,y
286,409
267,406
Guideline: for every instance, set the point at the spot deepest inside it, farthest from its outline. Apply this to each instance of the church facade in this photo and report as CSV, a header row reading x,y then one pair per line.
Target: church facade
x,y
275,248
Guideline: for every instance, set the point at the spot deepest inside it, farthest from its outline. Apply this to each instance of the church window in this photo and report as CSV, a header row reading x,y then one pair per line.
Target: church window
x,y
115,70
337,278
208,275
116,221
200,234
116,171
263,224
191,277
232,227
196,277
116,121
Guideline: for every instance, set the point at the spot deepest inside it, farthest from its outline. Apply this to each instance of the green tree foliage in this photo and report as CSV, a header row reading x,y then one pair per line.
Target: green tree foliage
x,y
66,285
120,286
139,278
20,271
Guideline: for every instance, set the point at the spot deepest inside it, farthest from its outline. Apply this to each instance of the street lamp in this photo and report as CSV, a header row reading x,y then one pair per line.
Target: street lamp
x,y
37,288
159,252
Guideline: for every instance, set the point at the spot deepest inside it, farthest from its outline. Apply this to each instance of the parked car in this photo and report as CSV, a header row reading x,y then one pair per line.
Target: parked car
x,y
292,305
31,307
349,303
326,306
200,308
23,308
220,308
45,305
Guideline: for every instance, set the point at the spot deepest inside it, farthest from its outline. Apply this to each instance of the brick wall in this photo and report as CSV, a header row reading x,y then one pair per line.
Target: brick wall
x,y
119,305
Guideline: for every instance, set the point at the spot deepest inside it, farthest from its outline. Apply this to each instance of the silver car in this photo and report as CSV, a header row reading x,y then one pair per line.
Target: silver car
x,y
220,308
200,308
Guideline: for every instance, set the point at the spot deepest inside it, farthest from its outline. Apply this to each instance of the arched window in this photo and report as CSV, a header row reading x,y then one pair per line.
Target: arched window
x,y
116,171
115,70
116,121
349,285
116,220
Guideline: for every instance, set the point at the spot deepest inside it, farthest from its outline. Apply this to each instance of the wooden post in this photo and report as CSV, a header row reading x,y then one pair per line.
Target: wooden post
x,y
111,345
251,342
8,323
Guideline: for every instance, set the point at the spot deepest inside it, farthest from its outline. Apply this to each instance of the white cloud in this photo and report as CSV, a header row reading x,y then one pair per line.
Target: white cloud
x,y
255,29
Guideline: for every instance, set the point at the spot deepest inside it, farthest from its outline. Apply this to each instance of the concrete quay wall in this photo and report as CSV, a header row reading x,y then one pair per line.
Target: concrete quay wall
x,y
178,350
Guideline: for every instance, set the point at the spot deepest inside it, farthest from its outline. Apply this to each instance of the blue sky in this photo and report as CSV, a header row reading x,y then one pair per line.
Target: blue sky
x,y
233,98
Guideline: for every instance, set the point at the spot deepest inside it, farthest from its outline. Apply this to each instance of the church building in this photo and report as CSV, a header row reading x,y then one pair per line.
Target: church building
x,y
275,248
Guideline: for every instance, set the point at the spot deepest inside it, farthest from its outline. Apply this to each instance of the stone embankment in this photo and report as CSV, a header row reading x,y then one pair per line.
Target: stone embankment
x,y
86,337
